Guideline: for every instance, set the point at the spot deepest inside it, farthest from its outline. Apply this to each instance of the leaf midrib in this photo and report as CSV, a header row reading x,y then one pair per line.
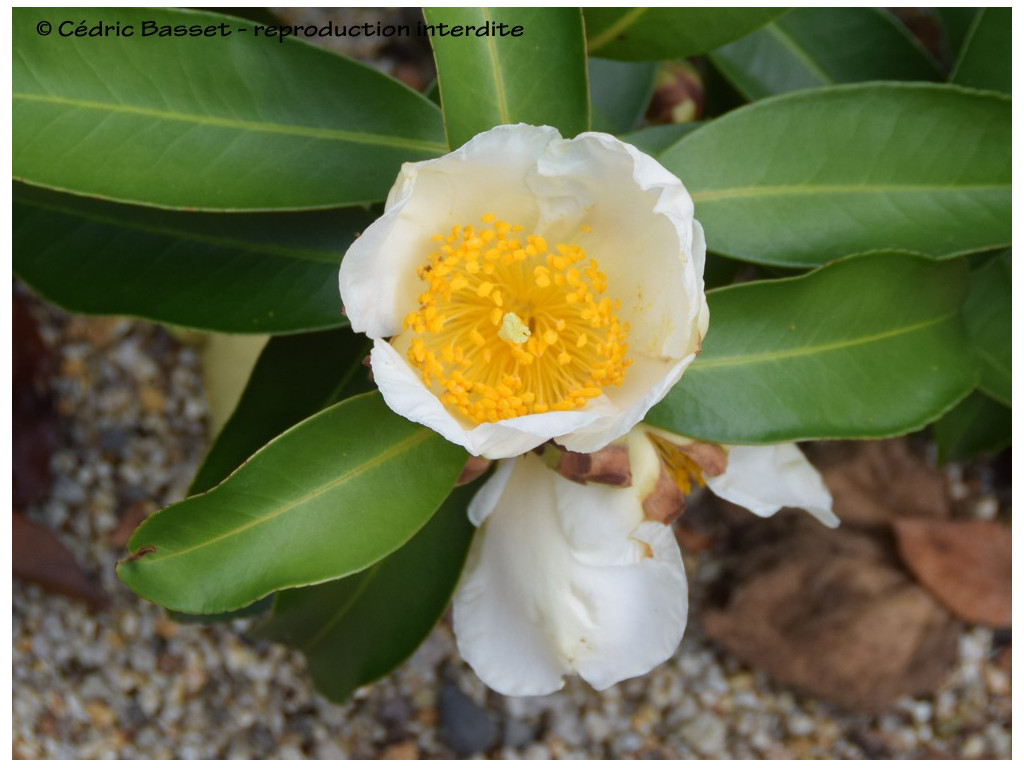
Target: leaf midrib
x,y
299,254
788,40
778,355
499,83
714,195
367,580
404,445
616,28
327,134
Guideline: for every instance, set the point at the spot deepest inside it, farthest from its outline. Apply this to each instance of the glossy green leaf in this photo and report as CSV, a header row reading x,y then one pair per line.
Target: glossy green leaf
x,y
811,47
807,177
232,122
294,377
355,630
243,273
984,61
619,93
656,138
977,425
649,34
329,497
870,346
538,77
988,311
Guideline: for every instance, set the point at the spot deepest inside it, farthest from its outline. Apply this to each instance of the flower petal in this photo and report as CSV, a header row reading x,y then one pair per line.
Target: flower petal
x,y
766,478
565,578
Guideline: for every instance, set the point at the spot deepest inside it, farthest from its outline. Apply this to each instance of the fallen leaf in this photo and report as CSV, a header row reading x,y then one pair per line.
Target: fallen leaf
x,y
830,612
34,426
875,482
966,564
39,557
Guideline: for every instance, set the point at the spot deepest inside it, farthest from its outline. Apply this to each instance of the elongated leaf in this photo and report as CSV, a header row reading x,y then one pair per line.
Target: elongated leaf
x,y
295,377
811,47
810,176
244,273
988,314
977,425
619,93
649,34
233,121
656,138
956,23
537,77
870,346
327,498
355,630
985,58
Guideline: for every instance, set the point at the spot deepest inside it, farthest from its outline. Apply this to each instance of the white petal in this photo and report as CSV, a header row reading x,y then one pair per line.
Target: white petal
x,y
766,478
643,236
565,578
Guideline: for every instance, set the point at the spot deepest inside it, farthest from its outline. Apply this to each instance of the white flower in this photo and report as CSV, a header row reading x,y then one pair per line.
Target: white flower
x,y
526,287
567,578
762,478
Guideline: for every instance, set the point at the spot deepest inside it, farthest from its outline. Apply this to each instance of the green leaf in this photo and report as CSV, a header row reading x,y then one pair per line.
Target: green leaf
x,y
649,34
955,23
328,498
656,138
294,377
811,47
984,60
807,177
225,122
619,93
988,315
870,346
538,77
243,273
977,425
356,630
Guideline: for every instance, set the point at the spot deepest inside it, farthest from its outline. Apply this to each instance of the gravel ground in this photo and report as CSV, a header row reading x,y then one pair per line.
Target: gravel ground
x,y
126,682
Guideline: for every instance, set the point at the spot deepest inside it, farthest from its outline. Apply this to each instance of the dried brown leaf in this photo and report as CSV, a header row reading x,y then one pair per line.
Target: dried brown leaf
x,y
39,557
833,613
966,564
875,482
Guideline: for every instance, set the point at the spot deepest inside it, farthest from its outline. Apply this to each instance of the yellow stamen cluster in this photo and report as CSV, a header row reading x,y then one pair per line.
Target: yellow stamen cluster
x,y
508,326
684,470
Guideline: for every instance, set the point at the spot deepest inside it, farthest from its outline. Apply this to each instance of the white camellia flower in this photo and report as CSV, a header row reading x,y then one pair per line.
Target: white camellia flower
x,y
565,577
528,287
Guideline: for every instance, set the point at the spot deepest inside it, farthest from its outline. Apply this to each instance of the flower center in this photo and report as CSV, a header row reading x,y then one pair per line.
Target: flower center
x,y
508,327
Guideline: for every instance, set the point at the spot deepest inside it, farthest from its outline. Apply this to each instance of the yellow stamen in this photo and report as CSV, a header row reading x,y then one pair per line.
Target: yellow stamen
x,y
508,325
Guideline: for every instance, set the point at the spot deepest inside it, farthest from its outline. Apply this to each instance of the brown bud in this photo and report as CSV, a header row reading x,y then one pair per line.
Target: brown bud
x,y
678,94
609,466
